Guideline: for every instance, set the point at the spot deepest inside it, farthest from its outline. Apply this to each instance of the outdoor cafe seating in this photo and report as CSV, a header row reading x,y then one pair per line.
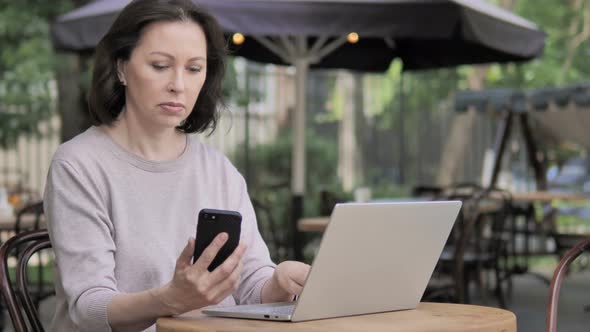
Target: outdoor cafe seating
x,y
557,280
494,237
478,248
24,313
20,298
28,216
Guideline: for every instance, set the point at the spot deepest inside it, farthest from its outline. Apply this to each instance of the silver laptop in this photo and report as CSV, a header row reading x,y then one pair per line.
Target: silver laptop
x,y
374,257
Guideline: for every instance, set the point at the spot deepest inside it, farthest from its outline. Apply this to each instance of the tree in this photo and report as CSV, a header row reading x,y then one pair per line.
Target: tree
x,y
27,63
565,60
73,79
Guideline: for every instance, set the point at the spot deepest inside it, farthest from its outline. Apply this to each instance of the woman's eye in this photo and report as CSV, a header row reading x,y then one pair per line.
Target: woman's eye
x,y
159,67
194,69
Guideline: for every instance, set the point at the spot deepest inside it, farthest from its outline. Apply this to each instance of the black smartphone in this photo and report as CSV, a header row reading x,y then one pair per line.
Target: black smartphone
x,y
212,222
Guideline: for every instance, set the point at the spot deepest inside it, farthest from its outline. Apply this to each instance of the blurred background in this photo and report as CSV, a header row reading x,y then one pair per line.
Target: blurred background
x,y
369,136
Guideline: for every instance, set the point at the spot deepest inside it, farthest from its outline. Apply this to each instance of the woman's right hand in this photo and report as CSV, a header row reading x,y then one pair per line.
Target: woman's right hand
x,y
193,286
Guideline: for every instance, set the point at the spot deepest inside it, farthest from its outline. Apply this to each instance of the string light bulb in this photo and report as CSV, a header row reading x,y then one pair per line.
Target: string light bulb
x,y
353,37
238,38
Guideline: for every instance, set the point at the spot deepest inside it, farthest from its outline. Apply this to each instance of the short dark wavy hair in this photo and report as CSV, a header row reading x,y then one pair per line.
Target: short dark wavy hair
x,y
107,95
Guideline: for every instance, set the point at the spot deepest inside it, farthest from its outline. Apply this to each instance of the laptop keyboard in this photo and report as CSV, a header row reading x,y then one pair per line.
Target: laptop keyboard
x,y
267,309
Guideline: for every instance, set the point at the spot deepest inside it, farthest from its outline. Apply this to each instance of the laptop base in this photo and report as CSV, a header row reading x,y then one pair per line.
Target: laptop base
x,y
280,311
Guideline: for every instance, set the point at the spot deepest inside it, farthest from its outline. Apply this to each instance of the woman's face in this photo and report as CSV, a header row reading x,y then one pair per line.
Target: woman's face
x,y
165,74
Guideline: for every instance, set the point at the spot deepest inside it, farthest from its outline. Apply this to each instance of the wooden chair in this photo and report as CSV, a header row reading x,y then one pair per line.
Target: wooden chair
x,y
448,283
485,242
270,230
30,217
476,244
554,288
16,293
427,191
328,201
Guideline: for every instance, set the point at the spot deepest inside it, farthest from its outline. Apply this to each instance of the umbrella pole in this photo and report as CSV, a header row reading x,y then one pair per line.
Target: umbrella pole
x,y
247,127
298,156
295,52
402,135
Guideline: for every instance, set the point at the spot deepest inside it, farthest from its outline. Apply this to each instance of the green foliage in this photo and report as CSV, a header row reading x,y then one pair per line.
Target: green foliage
x,y
27,88
563,63
272,168
32,273
270,184
237,88
558,19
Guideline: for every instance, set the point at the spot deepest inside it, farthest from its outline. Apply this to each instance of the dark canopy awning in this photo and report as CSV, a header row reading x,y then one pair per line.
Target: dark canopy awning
x,y
559,114
514,100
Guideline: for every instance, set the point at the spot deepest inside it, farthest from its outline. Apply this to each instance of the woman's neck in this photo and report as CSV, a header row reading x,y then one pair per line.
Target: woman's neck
x,y
148,143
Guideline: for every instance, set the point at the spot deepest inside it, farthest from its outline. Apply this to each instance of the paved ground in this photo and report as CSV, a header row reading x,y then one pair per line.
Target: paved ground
x,y
528,302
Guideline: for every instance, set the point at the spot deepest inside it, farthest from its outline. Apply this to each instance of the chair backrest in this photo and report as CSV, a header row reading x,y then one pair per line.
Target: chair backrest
x,y
493,211
34,210
16,292
477,230
564,263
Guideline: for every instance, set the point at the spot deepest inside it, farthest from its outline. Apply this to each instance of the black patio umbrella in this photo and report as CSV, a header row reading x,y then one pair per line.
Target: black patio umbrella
x,y
423,33
364,35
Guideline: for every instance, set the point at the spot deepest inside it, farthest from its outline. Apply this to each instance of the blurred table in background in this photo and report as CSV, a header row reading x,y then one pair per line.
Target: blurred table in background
x,y
27,222
316,224
8,224
319,224
548,196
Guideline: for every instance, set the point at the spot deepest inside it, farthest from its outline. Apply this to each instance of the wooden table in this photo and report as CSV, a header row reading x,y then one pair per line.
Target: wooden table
x,y
319,224
548,196
427,317
8,223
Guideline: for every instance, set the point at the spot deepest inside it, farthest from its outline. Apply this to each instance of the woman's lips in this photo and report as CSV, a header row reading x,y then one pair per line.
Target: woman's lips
x,y
172,107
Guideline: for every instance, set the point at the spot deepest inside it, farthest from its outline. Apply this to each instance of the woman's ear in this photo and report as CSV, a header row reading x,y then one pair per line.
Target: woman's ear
x,y
121,72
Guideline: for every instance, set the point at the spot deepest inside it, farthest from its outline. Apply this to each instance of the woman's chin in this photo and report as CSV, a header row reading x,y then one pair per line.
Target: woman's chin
x,y
170,121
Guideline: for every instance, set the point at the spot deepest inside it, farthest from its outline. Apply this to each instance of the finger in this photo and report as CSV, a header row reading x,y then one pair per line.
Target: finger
x,y
227,286
300,274
186,255
211,251
240,269
297,290
293,287
228,266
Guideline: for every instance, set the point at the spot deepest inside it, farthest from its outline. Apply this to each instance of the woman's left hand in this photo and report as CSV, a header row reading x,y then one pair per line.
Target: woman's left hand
x,y
286,282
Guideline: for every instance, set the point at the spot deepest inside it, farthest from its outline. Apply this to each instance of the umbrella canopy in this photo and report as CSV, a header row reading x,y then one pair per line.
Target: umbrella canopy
x,y
423,33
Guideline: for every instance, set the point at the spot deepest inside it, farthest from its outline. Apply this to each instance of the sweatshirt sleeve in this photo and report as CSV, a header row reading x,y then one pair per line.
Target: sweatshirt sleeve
x,y
82,237
257,264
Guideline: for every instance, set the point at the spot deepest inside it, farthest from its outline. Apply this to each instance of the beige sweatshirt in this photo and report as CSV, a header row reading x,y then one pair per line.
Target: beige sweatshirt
x,y
118,223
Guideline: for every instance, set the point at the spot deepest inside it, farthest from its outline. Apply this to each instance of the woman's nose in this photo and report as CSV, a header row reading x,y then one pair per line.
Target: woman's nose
x,y
176,83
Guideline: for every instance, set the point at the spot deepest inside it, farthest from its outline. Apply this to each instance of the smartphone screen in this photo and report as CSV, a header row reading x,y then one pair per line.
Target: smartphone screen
x,y
212,222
